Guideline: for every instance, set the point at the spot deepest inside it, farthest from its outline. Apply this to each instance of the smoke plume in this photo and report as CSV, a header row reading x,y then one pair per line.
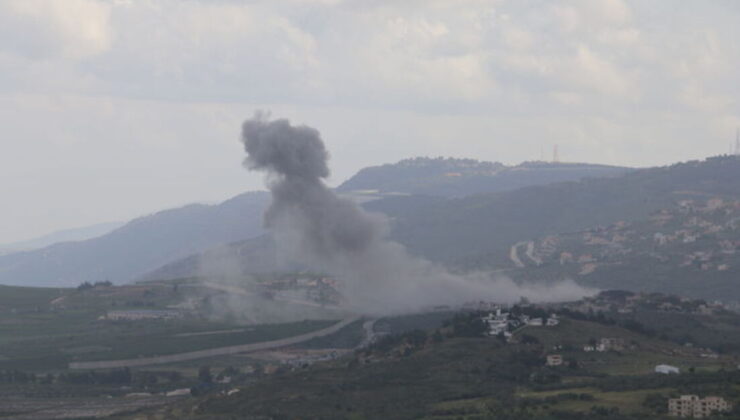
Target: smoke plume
x,y
315,226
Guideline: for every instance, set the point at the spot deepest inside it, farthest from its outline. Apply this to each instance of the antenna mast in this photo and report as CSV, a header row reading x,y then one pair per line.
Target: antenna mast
x,y
555,154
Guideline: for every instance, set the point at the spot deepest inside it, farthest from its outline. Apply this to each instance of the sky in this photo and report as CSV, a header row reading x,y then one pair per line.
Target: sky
x,y
114,109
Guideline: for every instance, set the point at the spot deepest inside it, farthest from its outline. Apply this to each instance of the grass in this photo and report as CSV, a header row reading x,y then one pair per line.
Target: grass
x,y
630,402
121,340
36,335
642,359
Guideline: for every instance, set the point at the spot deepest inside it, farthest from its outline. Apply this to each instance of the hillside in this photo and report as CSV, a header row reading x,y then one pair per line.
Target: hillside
x,y
156,243
462,177
480,231
66,235
453,230
450,371
691,247
139,246
121,350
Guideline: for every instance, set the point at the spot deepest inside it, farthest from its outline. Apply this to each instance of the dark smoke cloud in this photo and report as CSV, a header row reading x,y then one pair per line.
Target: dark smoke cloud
x,y
296,159
319,228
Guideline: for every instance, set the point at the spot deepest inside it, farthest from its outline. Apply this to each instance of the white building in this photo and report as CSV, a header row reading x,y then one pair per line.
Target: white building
x,y
498,323
667,369
535,322
554,360
695,407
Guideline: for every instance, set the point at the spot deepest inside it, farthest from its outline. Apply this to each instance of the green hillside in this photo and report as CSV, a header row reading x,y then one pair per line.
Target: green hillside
x,y
690,248
446,373
456,229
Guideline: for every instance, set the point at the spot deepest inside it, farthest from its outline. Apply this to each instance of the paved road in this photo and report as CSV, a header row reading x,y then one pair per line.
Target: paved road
x,y
219,351
369,327
530,253
514,255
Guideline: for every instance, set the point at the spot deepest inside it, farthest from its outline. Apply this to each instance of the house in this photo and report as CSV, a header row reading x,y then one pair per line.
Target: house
x,y
178,392
694,407
610,344
498,323
535,322
552,320
554,360
666,369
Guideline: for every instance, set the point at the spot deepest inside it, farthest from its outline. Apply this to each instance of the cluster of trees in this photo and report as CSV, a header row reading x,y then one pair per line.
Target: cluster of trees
x,y
122,376
601,318
467,324
112,377
117,377
17,377
87,285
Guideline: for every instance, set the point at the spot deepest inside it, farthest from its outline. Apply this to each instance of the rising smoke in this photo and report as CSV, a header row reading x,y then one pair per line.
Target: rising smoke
x,y
315,226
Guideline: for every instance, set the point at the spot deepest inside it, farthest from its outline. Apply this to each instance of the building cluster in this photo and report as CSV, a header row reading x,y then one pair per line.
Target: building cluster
x,y
323,290
309,359
692,406
500,322
664,236
606,344
624,302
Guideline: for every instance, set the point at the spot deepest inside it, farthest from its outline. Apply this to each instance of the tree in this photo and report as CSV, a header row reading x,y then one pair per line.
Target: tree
x,y
204,374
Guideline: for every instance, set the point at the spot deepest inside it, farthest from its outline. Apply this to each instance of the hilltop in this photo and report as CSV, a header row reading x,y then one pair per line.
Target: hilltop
x,y
155,244
450,230
449,177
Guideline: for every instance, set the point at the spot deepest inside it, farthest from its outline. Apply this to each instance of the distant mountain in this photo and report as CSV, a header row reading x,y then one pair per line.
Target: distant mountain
x,y
66,235
255,255
462,177
452,230
139,246
479,232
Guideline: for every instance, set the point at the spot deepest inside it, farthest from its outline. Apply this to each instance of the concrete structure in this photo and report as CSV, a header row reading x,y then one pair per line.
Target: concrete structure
x,y
694,407
554,360
610,344
552,321
498,323
666,369
535,322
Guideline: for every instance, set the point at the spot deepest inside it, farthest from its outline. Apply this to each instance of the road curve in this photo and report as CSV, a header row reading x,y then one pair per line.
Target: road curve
x,y
219,351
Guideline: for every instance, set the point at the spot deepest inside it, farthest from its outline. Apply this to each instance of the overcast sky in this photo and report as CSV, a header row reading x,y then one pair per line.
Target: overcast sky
x,y
113,109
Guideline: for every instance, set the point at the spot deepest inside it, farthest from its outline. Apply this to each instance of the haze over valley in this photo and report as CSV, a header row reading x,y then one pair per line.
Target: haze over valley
x,y
353,210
